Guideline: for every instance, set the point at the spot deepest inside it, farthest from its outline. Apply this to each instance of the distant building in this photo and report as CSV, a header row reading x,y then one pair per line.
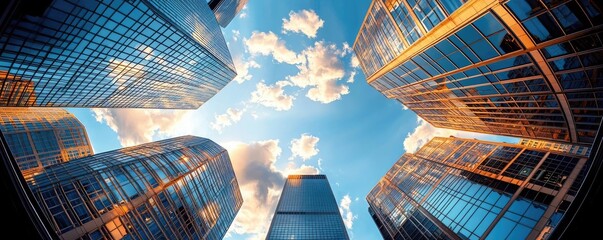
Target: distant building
x,y
179,188
115,54
41,137
307,210
520,68
454,188
226,10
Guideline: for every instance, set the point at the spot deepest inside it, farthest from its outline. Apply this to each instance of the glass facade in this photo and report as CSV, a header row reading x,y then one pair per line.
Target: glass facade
x,y
516,68
454,188
179,188
118,54
553,146
41,137
307,210
226,10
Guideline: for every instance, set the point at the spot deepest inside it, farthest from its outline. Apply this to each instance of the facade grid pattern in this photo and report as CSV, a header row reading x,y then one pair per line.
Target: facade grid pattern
x,y
179,188
307,210
120,54
518,68
39,138
511,192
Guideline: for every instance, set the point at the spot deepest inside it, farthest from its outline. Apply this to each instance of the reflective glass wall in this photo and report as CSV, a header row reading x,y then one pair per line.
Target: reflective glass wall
x,y
519,68
470,189
42,137
179,188
307,210
226,10
118,53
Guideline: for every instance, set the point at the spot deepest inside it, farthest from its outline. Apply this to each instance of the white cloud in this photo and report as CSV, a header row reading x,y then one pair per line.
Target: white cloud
x,y
269,44
231,116
355,63
243,12
304,146
235,35
319,67
292,168
351,77
272,95
346,49
304,21
346,212
320,164
137,126
424,132
260,182
320,70
243,65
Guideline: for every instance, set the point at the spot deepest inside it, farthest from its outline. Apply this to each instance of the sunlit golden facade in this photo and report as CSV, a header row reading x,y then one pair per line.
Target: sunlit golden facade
x,y
455,188
522,68
16,91
41,137
555,146
178,188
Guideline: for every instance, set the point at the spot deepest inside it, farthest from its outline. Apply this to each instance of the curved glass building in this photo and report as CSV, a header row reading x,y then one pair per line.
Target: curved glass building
x,y
116,54
521,68
42,137
179,188
454,188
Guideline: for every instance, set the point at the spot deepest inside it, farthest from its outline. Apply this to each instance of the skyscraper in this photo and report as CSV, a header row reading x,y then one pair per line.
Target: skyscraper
x,y
117,53
522,68
226,10
307,210
454,188
179,188
42,137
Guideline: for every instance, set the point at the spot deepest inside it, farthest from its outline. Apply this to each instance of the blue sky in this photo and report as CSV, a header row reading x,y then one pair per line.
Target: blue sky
x,y
299,105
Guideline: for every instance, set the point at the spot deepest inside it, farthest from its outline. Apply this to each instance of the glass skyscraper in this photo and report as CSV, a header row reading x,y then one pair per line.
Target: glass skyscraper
x,y
522,68
179,188
117,53
42,137
307,210
226,10
454,188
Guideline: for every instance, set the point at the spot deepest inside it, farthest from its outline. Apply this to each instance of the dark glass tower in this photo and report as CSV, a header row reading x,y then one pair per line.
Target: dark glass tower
x,y
40,137
116,53
226,10
179,188
307,210
455,188
521,68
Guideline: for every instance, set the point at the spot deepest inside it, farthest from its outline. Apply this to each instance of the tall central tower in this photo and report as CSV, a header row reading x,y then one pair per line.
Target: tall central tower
x,y
307,210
